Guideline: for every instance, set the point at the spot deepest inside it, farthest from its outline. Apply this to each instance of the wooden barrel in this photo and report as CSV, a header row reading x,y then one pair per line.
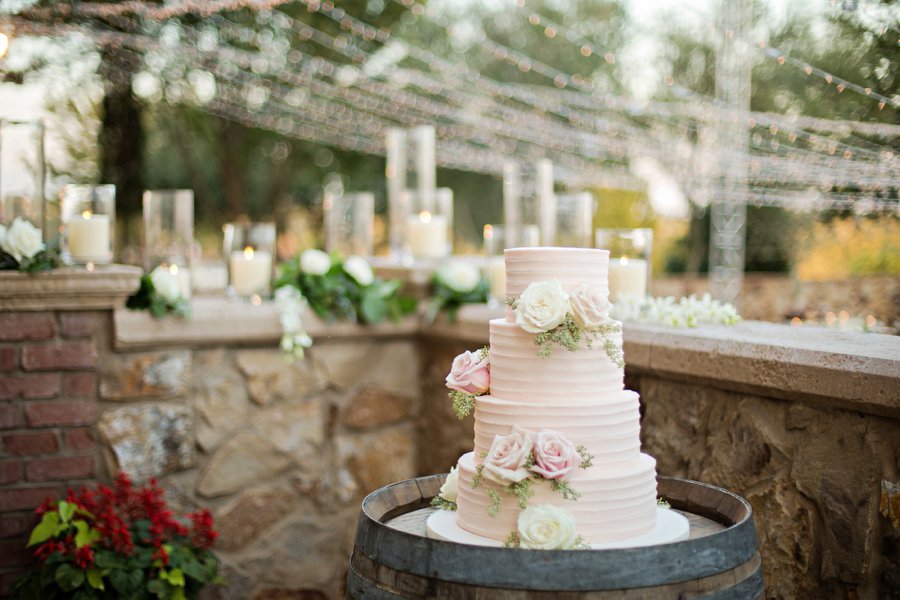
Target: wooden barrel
x,y
389,563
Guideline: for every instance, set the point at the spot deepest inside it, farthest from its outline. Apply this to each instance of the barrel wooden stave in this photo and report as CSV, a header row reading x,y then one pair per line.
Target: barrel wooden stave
x,y
388,563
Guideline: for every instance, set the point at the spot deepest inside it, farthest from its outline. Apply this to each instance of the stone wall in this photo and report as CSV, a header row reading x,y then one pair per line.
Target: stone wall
x,y
281,451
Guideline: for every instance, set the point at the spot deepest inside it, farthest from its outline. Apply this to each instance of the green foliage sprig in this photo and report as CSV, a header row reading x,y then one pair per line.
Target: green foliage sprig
x,y
335,295
663,503
463,403
563,488
443,503
147,298
570,335
45,260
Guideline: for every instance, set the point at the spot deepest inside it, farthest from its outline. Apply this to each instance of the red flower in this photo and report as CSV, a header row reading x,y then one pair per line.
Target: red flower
x,y
44,551
84,557
203,534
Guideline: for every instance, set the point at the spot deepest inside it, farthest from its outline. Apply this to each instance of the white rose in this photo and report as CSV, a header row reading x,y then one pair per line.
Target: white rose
x,y
448,490
358,268
507,459
315,262
22,240
542,306
546,527
590,306
166,283
461,277
2,237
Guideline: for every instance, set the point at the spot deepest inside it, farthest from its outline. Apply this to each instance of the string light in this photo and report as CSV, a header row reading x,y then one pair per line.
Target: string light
x,y
446,96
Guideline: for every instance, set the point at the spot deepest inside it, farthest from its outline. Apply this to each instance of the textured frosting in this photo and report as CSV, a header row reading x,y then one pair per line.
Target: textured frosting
x,y
609,430
518,373
568,266
579,394
616,502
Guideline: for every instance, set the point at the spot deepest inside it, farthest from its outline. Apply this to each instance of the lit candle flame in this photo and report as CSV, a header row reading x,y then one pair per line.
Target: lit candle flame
x,y
623,261
425,216
488,232
173,269
796,322
86,215
248,253
4,44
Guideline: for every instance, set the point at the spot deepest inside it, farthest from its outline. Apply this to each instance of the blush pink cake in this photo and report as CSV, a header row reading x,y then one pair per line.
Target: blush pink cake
x,y
579,394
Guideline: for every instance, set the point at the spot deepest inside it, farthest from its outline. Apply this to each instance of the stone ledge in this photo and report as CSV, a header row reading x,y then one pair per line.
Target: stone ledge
x,y
219,321
69,288
850,370
814,365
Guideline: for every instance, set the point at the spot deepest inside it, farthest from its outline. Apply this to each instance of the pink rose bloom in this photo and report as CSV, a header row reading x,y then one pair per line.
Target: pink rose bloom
x,y
590,306
470,373
505,462
554,456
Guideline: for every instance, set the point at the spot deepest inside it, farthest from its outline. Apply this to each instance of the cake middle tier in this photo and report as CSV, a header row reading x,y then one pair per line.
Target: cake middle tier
x,y
518,373
609,429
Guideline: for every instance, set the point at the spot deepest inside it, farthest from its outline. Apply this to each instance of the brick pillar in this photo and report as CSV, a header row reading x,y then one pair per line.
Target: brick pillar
x,y
53,327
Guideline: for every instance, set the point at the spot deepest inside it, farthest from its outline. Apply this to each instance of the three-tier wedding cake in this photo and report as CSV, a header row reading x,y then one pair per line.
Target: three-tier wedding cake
x,y
557,460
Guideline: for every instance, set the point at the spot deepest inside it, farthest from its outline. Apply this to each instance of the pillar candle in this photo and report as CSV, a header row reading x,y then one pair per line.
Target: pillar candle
x,y
497,278
88,237
426,235
251,271
627,277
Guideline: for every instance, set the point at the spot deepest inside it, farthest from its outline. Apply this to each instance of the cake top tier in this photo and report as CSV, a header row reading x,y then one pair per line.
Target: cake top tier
x,y
568,266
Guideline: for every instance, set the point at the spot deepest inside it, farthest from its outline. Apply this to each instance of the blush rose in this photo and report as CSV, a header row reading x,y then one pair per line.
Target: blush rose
x,y
554,456
590,306
470,373
507,459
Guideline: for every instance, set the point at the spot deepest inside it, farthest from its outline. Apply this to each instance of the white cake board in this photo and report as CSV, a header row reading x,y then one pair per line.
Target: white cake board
x,y
670,527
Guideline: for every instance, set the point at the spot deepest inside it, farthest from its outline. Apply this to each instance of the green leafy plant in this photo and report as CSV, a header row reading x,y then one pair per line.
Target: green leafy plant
x,y
149,299
336,295
449,292
119,542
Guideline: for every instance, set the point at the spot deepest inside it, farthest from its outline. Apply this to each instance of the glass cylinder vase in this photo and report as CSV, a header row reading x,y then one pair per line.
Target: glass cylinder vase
x,y
250,249
88,215
22,172
574,220
629,261
429,224
498,238
349,223
169,233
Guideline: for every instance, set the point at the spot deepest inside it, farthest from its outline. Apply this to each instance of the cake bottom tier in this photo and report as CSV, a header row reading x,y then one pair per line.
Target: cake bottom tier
x,y
616,503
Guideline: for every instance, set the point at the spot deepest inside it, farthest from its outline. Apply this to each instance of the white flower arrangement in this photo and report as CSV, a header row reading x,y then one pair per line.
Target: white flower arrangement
x,y
546,527
686,312
461,277
358,268
166,283
557,317
22,240
315,262
516,460
290,304
446,498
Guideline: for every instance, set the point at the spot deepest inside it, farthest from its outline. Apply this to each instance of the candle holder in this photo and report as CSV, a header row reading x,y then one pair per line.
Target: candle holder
x,y
349,223
498,238
629,261
169,233
250,248
429,224
574,219
88,215
22,172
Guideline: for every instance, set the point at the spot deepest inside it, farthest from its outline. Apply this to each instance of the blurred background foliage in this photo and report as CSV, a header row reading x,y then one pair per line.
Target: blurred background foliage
x,y
111,135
